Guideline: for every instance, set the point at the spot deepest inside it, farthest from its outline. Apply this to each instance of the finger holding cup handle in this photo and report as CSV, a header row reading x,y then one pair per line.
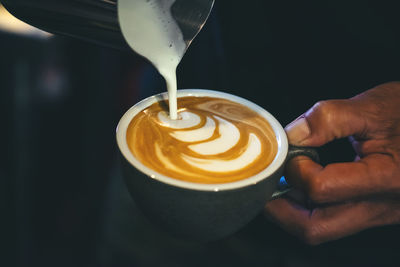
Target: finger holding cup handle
x,y
294,151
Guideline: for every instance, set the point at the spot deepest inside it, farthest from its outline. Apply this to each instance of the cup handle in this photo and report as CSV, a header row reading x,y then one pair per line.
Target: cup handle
x,y
294,151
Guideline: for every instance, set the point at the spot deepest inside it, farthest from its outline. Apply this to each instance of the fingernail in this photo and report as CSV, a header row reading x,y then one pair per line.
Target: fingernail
x,y
298,131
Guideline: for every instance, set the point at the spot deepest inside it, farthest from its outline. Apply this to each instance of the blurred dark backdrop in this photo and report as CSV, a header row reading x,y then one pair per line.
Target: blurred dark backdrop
x,y
60,99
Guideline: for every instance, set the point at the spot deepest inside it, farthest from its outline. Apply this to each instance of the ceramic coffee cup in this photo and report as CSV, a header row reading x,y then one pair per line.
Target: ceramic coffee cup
x,y
196,211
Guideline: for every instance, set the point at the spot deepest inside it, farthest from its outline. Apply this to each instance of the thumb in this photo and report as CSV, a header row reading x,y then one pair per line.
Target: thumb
x,y
326,121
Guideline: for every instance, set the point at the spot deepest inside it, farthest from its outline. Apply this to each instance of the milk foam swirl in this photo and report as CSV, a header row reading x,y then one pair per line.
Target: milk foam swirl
x,y
213,141
201,142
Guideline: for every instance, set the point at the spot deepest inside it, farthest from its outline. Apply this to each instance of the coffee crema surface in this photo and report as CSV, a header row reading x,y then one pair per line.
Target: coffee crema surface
x,y
214,140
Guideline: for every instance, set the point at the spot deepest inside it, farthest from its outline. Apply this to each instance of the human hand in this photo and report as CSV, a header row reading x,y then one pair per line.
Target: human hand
x,y
352,196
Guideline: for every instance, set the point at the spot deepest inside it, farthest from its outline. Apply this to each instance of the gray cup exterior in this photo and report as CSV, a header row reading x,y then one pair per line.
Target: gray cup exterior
x,y
194,214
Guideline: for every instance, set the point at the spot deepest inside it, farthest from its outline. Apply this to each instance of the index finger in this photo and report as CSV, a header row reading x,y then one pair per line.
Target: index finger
x,y
374,174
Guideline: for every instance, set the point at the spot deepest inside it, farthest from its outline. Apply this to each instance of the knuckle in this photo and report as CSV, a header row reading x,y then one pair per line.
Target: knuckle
x,y
316,190
326,109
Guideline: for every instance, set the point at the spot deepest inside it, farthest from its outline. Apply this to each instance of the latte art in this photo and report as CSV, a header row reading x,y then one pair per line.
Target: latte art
x,y
213,141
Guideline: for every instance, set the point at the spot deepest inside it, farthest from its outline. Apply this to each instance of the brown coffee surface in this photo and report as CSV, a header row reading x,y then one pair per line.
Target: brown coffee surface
x,y
155,145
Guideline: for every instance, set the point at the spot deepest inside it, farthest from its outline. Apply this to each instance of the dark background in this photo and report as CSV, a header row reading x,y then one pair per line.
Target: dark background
x,y
64,200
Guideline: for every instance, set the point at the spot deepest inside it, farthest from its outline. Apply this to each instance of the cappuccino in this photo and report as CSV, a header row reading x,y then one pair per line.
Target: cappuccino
x,y
213,141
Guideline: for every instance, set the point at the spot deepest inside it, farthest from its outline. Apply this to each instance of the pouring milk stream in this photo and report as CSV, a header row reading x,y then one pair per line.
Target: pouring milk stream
x,y
151,30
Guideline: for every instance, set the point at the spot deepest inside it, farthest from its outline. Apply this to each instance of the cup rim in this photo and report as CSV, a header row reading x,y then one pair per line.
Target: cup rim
x,y
252,180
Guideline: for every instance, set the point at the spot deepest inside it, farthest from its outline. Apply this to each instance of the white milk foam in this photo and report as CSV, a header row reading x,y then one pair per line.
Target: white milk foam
x,y
252,151
186,120
153,33
229,136
200,134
